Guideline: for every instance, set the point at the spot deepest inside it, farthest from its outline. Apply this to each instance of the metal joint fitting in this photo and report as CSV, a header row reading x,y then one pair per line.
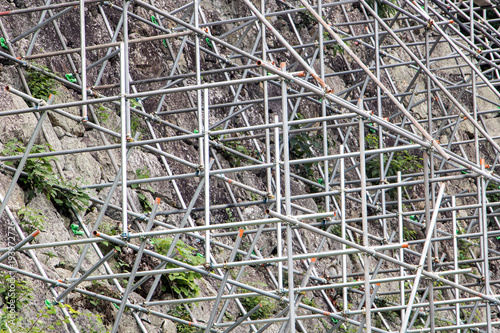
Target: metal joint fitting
x,y
125,236
430,24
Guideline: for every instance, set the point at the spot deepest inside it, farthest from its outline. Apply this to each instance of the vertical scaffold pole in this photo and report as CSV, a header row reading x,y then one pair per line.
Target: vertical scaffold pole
x,y
277,174
343,228
364,218
83,59
123,139
206,163
288,202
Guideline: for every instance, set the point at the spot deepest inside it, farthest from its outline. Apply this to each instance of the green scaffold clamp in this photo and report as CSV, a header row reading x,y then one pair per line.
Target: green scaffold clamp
x,y
48,304
153,19
209,42
3,43
74,228
71,78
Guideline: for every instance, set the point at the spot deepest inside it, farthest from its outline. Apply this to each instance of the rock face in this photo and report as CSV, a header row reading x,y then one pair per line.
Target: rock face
x,y
89,160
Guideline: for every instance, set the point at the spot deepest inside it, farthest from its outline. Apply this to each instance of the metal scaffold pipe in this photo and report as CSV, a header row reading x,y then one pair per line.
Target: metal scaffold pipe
x,y
321,168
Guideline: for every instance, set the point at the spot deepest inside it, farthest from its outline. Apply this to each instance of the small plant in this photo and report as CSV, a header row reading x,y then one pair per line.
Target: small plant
x,y
401,161
46,320
14,291
234,159
41,86
383,9
493,197
31,219
302,145
408,234
336,230
42,179
135,123
334,46
147,206
230,215
182,283
49,255
120,264
181,312
307,19
141,173
309,302
265,311
103,113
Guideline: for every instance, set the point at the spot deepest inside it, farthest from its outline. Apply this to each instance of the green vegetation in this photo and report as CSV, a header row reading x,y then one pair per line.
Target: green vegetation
x,y
235,160
102,113
41,86
302,145
18,292
14,291
265,311
408,234
42,179
182,283
383,9
401,161
143,173
336,230
493,197
464,245
307,20
230,215
31,219
135,123
309,302
181,312
335,47
46,320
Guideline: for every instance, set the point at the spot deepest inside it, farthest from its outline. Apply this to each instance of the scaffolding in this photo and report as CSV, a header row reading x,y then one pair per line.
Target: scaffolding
x,y
385,112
